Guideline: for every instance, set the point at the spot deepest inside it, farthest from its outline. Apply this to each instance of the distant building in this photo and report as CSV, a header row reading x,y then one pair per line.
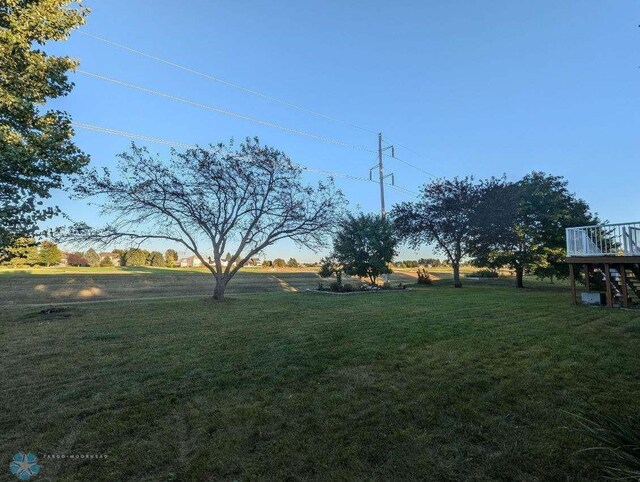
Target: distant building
x,y
190,262
64,261
194,262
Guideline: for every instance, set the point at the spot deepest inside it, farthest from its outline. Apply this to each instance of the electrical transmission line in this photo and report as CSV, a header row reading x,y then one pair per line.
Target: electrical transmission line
x,y
229,113
225,82
255,93
182,145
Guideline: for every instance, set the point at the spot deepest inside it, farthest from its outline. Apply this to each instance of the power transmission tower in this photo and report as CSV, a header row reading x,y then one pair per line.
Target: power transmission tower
x,y
381,175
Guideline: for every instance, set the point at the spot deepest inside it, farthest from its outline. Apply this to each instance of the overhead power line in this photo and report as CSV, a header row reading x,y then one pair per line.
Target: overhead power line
x,y
412,165
167,142
115,132
255,93
226,112
225,82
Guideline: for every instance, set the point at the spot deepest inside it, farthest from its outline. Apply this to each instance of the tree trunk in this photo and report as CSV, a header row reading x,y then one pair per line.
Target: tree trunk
x,y
456,276
519,276
218,291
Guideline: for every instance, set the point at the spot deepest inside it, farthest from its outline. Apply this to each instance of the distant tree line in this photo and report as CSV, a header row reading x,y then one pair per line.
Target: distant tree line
x,y
26,251
124,257
426,262
281,263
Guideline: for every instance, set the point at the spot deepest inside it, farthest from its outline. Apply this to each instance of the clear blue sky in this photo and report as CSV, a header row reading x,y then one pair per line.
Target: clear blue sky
x,y
481,88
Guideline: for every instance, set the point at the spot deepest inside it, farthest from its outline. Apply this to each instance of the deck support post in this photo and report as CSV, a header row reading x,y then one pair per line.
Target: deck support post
x,y
623,282
572,279
587,280
607,275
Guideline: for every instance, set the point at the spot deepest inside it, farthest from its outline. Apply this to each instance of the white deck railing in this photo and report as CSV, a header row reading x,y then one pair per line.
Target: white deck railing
x,y
604,240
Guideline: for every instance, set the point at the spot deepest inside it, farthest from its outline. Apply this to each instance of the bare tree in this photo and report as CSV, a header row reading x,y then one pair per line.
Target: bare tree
x,y
217,199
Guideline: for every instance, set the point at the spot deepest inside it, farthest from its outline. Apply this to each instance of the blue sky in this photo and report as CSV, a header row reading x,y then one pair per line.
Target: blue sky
x,y
477,88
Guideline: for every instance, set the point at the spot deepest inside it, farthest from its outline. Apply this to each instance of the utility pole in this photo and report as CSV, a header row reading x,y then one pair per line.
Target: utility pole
x,y
381,173
381,176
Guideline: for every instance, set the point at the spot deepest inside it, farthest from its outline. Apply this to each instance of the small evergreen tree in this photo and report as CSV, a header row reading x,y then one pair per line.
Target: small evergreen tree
x,y
293,263
49,253
92,257
279,263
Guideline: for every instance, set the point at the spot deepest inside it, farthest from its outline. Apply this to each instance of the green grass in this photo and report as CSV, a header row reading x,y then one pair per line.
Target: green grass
x,y
148,283
435,383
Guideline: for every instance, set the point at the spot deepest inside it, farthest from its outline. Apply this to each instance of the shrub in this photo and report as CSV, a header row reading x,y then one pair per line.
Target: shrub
x,y
341,288
483,273
335,286
424,278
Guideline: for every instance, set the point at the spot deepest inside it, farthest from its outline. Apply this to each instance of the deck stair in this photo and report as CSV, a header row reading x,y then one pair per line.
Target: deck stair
x,y
633,282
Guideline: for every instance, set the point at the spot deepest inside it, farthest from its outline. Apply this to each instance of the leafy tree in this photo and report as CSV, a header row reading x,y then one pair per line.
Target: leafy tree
x,y
227,257
49,254
36,148
92,257
136,257
106,262
252,196
23,251
156,259
445,216
267,264
279,263
525,225
77,259
293,263
364,246
171,257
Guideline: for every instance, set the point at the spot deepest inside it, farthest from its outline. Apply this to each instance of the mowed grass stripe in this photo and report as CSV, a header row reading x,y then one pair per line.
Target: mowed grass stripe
x,y
435,383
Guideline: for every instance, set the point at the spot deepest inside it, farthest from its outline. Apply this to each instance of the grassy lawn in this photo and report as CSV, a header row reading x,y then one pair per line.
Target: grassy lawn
x,y
55,285
433,383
